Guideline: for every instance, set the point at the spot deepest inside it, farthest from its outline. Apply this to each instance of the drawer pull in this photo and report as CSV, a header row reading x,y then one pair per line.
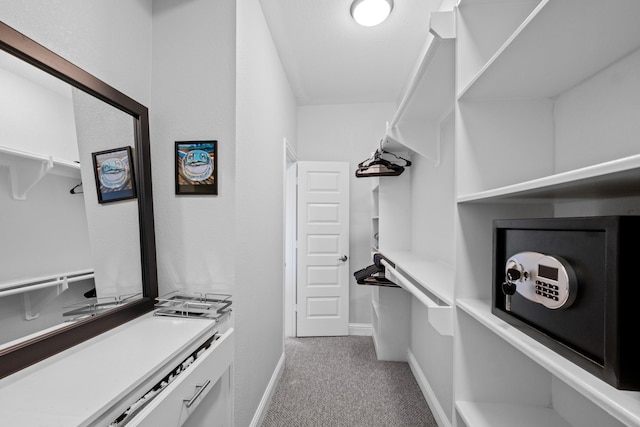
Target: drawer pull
x,y
199,390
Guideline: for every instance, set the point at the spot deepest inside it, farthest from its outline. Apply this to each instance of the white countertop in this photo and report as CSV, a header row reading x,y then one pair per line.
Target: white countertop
x,y
76,386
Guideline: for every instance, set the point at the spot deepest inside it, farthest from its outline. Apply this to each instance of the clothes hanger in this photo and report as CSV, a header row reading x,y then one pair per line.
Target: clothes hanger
x,y
376,165
406,162
74,189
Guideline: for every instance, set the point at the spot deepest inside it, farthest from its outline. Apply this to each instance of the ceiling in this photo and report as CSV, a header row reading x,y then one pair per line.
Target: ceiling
x,y
330,59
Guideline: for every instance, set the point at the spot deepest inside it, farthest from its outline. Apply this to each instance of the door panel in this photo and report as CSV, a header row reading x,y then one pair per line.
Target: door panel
x,y
323,239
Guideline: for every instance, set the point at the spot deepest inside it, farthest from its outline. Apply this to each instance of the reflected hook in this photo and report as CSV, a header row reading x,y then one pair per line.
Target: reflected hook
x,y
74,191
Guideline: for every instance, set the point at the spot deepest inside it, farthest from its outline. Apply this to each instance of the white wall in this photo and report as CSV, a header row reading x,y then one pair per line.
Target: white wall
x,y
599,117
24,99
110,40
190,88
433,201
350,133
193,98
265,115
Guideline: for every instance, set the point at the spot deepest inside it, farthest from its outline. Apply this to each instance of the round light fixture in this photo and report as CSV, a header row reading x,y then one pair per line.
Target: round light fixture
x,y
371,12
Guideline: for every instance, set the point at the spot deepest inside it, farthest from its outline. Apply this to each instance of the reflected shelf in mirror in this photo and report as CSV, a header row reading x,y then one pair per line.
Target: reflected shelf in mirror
x,y
54,117
60,231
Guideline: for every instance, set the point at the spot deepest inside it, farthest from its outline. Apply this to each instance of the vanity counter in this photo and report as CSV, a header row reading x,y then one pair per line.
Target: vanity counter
x,y
97,380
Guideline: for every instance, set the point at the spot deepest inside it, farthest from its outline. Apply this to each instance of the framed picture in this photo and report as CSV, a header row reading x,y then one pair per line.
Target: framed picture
x,y
196,167
115,179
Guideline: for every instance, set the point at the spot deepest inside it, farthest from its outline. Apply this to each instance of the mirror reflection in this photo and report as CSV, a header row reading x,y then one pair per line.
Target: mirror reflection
x,y
64,256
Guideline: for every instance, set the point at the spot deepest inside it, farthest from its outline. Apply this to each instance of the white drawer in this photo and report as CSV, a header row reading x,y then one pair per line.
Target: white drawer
x,y
180,399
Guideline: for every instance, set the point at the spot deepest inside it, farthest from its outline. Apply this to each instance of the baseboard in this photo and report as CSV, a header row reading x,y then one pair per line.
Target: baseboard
x,y
362,329
436,409
258,417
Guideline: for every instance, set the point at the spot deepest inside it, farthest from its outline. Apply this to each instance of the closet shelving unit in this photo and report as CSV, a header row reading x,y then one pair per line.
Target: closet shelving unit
x,y
375,217
27,169
546,126
415,129
413,224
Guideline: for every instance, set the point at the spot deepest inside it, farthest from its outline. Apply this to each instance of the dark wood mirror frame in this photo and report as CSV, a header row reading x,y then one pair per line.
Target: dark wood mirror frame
x,y
37,349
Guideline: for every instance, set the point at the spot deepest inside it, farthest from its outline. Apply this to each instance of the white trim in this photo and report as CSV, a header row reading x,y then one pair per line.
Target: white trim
x,y
290,225
362,329
436,409
258,417
290,221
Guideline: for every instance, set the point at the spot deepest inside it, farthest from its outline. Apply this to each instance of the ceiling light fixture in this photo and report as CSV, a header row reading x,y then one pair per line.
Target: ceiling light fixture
x,y
371,12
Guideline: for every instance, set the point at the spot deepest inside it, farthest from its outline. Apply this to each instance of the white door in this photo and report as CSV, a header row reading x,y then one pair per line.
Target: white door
x,y
323,249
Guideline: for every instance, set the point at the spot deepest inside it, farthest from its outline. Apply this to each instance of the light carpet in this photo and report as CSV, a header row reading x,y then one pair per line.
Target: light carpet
x,y
338,381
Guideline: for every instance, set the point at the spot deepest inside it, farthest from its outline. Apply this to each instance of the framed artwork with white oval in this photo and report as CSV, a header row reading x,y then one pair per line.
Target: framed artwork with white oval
x,y
196,167
115,179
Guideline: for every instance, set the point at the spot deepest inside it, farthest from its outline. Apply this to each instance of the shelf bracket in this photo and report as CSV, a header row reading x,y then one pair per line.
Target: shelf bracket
x,y
26,173
41,297
426,129
443,24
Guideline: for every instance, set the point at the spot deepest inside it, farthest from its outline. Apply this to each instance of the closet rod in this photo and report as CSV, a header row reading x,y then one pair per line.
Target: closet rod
x,y
410,287
27,285
40,157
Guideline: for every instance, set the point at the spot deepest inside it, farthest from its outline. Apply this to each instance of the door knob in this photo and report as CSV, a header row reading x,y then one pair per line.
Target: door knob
x,y
343,258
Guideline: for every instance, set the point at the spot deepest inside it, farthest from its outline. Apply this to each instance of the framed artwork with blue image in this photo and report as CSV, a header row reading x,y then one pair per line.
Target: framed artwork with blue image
x,y
114,175
196,167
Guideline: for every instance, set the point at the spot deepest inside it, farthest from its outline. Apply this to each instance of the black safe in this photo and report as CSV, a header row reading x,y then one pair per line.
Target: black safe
x,y
570,284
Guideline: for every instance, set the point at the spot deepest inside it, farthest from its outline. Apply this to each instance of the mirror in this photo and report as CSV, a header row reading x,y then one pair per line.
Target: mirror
x,y
72,267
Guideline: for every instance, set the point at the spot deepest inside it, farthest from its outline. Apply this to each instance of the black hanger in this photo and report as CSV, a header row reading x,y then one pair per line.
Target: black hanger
x,y
74,191
376,165
406,162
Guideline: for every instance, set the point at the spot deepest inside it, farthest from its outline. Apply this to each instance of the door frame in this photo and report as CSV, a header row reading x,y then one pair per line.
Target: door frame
x,y
290,238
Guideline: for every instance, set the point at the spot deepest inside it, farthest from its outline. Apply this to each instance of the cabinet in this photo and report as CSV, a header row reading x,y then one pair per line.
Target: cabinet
x,y
544,124
181,399
546,106
95,382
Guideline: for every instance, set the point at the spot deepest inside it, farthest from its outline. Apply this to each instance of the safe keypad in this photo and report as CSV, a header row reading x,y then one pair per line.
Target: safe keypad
x,y
547,290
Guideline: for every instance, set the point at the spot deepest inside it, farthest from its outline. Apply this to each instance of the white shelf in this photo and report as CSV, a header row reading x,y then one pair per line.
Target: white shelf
x,y
616,178
27,169
623,405
430,94
440,315
560,44
435,277
476,414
